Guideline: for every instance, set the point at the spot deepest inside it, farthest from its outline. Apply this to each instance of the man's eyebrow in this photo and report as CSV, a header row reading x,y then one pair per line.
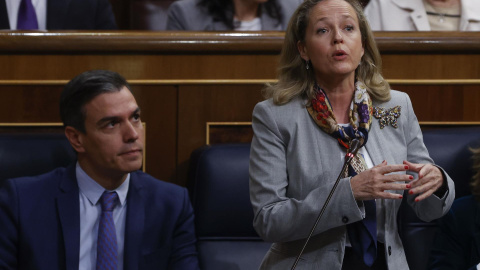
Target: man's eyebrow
x,y
107,119
137,111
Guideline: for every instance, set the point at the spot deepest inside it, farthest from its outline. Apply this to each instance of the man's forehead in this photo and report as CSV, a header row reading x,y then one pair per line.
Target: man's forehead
x,y
112,103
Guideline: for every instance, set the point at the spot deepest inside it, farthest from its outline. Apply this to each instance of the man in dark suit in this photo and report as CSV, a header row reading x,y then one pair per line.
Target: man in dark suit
x,y
101,210
64,15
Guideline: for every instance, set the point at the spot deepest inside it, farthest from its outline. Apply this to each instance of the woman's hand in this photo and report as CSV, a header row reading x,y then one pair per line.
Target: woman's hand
x,y
430,179
372,183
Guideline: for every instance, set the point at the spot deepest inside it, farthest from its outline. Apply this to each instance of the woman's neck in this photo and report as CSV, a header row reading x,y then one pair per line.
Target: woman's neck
x,y
245,10
340,96
443,3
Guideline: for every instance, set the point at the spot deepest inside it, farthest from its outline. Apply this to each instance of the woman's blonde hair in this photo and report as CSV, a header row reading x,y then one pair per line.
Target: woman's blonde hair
x,y
476,176
294,79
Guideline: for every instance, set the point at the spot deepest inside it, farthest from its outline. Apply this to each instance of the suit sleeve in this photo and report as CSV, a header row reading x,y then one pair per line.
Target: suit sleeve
x,y
432,207
104,17
279,217
8,226
184,253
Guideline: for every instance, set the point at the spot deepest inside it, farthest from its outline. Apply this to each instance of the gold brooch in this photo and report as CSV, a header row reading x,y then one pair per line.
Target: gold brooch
x,y
387,116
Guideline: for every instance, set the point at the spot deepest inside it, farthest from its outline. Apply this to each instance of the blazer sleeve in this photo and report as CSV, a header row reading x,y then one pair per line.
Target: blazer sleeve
x,y
432,207
279,216
184,253
8,225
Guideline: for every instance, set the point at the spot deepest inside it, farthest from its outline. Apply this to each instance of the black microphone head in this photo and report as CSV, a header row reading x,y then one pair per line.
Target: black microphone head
x,y
355,145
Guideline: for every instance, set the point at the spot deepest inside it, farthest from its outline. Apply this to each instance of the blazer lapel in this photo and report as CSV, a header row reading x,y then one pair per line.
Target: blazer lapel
x,y
418,13
69,213
134,224
470,12
57,13
4,23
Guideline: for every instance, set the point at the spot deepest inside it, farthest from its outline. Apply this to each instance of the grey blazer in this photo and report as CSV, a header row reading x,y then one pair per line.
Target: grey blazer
x,y
187,15
293,166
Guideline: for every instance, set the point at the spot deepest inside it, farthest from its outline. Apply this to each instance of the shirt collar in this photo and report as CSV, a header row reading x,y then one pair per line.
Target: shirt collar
x,y
93,191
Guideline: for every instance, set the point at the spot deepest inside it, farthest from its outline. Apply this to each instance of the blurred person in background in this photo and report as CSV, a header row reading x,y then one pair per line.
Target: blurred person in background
x,y
227,15
423,15
56,15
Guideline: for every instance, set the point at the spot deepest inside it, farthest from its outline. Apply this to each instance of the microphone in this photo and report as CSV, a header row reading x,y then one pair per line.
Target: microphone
x,y
355,145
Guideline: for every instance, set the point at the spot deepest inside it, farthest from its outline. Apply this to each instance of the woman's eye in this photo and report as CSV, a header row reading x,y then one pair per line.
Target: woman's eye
x,y
349,28
322,30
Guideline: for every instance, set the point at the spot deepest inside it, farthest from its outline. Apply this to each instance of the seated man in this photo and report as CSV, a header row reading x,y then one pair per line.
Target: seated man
x,y
101,212
457,244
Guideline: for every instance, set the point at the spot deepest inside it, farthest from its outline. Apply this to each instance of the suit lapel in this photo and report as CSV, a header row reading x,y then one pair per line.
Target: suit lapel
x,y
69,213
134,223
57,13
4,23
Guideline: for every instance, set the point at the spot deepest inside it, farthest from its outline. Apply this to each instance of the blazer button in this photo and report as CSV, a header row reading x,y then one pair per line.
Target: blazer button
x,y
344,219
389,250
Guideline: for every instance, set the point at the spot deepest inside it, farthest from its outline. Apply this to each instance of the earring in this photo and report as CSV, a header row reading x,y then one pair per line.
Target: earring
x,y
307,64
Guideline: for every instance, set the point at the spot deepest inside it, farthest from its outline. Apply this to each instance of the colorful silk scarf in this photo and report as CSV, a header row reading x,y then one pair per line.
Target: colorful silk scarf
x,y
360,115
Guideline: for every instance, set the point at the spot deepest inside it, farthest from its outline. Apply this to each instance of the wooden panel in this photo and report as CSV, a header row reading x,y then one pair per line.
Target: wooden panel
x,y
159,112
199,104
444,102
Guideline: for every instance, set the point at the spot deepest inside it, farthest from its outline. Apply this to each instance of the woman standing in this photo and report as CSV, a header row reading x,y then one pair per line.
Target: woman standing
x,y
329,92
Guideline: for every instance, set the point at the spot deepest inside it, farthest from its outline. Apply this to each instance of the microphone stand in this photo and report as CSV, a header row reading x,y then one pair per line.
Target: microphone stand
x,y
355,145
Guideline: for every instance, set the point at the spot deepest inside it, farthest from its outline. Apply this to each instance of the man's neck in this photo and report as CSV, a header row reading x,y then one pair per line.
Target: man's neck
x,y
106,179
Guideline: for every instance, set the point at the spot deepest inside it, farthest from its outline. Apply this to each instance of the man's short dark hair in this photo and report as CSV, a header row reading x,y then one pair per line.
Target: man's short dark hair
x,y
82,89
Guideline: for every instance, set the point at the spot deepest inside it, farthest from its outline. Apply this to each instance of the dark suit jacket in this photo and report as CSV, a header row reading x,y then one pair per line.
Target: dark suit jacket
x,y
72,15
40,223
457,243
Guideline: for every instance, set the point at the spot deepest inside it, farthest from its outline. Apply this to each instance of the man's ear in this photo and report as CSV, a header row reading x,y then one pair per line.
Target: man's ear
x,y
302,50
75,138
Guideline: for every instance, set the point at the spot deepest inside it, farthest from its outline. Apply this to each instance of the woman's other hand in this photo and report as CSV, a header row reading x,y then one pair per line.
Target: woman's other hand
x,y
373,183
430,179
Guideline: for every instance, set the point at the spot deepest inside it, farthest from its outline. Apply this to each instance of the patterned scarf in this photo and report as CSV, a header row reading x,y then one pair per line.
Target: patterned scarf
x,y
360,115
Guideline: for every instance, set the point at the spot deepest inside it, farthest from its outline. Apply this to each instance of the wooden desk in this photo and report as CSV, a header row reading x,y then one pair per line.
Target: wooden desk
x,y
182,80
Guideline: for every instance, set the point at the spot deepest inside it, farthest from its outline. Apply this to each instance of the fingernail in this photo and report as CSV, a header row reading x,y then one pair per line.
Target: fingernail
x,y
416,200
409,186
384,161
410,192
410,177
401,197
406,167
